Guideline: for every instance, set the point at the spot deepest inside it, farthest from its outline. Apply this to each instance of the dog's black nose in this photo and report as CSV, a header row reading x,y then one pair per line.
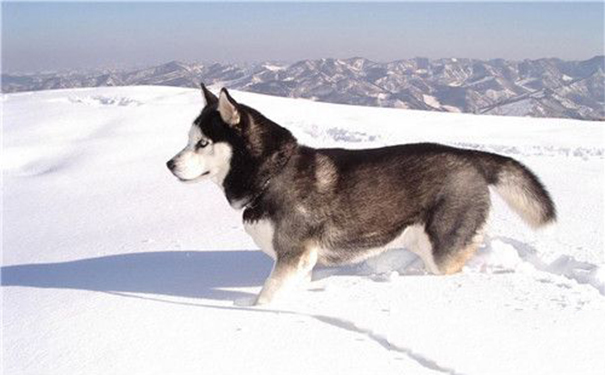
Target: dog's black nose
x,y
170,164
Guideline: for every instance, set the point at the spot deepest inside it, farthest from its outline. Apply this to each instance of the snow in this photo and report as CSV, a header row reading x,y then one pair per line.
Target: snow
x,y
450,108
431,100
273,68
112,266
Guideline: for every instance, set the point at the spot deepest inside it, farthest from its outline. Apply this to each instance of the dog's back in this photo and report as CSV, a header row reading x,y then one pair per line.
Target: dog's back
x,y
352,203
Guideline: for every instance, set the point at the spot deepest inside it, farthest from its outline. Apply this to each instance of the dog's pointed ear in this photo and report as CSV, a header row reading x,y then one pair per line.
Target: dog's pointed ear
x,y
228,108
209,97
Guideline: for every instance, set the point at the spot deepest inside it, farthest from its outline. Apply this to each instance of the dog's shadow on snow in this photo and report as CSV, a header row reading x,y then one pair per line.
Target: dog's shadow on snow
x,y
195,274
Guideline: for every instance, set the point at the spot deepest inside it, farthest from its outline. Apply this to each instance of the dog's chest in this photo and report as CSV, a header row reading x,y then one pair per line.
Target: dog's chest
x,y
262,232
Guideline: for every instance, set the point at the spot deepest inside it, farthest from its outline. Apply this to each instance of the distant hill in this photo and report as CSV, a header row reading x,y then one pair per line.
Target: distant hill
x,y
539,88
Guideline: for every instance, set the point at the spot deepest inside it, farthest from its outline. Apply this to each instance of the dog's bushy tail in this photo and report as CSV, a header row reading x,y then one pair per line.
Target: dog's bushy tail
x,y
519,187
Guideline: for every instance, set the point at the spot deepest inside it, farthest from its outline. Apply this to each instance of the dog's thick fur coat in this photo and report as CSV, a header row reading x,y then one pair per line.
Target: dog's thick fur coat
x,y
305,206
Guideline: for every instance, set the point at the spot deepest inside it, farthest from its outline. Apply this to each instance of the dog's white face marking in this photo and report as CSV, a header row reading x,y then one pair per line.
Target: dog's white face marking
x,y
202,158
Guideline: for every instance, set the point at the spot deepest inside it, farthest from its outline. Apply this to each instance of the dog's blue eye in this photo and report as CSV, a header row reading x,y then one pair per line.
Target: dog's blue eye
x,y
202,143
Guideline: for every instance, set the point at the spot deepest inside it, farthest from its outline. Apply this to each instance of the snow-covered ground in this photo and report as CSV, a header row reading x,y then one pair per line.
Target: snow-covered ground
x,y
110,266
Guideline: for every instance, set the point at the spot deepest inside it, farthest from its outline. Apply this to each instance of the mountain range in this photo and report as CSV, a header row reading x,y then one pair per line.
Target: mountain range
x,y
546,87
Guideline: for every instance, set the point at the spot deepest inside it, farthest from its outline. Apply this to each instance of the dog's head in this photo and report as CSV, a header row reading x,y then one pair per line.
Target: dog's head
x,y
208,151
226,137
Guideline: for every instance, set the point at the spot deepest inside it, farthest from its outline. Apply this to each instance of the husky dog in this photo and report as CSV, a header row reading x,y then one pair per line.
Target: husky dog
x,y
305,206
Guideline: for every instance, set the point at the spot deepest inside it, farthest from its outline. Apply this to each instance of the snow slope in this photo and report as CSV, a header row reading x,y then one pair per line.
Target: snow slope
x,y
112,266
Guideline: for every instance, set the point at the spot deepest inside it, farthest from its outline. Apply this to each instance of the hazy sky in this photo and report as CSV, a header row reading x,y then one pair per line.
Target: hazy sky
x,y
47,36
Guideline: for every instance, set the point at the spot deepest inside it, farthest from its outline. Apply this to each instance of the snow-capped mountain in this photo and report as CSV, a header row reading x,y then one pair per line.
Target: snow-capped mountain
x,y
538,88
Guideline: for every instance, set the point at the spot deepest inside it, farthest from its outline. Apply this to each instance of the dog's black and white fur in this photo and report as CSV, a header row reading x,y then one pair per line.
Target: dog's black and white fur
x,y
305,206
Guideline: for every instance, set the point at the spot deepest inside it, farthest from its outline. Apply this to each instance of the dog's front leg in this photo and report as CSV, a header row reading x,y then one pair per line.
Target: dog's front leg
x,y
289,269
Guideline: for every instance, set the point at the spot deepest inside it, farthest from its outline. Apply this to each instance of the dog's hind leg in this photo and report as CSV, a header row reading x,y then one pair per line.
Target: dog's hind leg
x,y
455,225
455,261
290,269
452,251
